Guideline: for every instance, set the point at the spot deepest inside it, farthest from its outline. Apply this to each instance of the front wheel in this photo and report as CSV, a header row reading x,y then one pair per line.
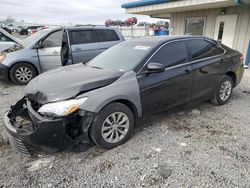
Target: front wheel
x,y
224,91
113,126
22,73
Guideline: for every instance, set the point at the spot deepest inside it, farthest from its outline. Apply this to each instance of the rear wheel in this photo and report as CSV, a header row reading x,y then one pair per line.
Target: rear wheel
x,y
224,91
113,126
22,73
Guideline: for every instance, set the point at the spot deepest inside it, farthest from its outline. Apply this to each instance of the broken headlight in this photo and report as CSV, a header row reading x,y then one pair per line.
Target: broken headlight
x,y
62,108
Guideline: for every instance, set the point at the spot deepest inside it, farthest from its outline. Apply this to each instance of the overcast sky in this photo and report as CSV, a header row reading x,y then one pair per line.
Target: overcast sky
x,y
65,11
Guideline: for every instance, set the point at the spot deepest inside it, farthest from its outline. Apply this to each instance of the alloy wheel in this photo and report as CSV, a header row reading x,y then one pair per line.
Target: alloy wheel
x,y
23,74
115,127
225,90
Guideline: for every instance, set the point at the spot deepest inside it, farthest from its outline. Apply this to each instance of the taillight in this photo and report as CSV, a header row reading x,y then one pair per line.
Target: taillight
x,y
242,58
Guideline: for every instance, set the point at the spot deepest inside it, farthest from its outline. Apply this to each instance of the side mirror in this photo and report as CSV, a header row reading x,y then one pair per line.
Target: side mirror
x,y
38,45
154,68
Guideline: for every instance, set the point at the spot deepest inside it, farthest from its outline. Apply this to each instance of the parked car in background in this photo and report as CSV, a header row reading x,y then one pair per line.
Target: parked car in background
x,y
7,40
23,31
7,29
100,102
17,29
33,29
10,27
163,24
130,21
41,28
81,44
52,48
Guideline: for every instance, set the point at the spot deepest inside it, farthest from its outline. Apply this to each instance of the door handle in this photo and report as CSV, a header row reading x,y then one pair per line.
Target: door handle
x,y
187,71
55,52
221,61
78,49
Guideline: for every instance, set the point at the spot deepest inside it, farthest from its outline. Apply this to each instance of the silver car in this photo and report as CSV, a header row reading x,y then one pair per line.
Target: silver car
x,y
7,40
52,48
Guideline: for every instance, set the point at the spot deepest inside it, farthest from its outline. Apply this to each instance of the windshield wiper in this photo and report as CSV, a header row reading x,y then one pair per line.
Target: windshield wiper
x,y
96,67
92,66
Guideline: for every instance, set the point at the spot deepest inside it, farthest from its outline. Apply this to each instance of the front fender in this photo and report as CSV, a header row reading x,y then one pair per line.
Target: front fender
x,y
125,88
24,55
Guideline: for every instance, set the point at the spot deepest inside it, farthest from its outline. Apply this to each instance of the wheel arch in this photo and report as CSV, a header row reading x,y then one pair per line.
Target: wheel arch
x,y
126,102
129,104
233,76
37,71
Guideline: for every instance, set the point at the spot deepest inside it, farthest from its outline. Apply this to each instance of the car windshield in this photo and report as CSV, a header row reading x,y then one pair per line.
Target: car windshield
x,y
124,56
33,37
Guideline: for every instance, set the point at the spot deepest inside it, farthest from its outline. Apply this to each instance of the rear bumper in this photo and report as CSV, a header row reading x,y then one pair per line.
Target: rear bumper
x,y
35,134
239,74
4,70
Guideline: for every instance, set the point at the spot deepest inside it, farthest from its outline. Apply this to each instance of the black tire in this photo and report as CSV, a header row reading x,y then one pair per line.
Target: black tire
x,y
218,99
31,73
96,129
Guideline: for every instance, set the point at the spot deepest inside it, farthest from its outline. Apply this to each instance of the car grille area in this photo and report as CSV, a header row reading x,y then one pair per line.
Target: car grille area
x,y
35,105
18,145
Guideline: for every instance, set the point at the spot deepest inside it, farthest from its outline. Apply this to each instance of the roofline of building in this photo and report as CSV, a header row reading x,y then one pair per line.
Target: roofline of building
x,y
164,9
143,3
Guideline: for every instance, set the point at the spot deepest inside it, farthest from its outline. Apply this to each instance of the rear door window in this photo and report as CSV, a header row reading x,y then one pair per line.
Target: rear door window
x,y
216,50
107,35
171,54
199,49
53,40
83,37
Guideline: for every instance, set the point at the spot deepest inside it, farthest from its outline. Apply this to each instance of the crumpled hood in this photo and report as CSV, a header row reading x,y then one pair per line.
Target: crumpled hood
x,y
13,48
67,82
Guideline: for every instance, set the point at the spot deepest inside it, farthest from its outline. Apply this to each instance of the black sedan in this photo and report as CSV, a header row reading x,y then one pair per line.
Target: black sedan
x,y
101,102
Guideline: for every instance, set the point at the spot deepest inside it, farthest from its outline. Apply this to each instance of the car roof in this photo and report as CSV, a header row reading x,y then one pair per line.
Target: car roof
x,y
163,39
89,27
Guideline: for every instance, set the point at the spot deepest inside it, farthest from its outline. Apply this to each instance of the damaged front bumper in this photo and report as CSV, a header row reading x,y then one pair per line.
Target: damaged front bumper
x,y
28,132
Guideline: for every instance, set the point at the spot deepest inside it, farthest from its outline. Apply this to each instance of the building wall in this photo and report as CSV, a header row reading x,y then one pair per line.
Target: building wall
x,y
178,5
242,36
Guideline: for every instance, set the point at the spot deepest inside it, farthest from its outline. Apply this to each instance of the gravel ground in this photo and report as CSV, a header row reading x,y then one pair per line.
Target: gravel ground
x,y
203,146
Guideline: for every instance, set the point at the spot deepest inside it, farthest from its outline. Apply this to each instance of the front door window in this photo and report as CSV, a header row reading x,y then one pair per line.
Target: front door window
x,y
53,40
171,54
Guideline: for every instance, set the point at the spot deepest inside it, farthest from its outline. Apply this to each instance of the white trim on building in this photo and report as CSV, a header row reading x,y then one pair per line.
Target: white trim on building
x,y
237,37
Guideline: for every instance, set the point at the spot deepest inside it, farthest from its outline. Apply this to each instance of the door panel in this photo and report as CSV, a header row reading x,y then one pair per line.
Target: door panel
x,y
208,63
49,53
82,53
225,29
84,45
161,91
50,58
206,74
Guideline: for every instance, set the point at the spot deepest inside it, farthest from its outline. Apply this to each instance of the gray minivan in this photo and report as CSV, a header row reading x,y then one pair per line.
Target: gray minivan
x,y
52,48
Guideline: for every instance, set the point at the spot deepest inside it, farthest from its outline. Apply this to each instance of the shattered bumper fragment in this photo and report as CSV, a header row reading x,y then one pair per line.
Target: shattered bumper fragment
x,y
28,132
